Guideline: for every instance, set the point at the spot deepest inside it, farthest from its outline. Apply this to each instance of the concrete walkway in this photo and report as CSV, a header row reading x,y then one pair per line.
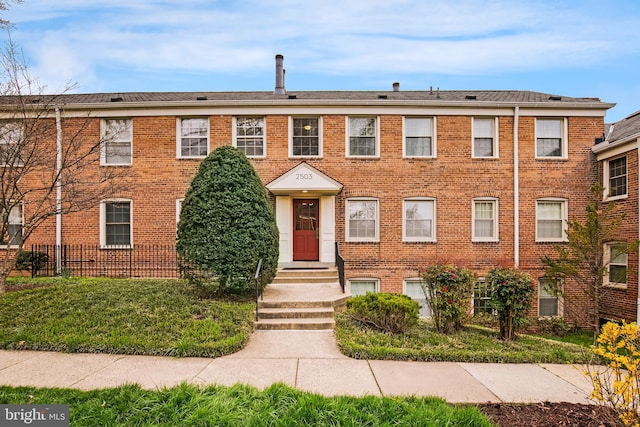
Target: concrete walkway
x,y
306,360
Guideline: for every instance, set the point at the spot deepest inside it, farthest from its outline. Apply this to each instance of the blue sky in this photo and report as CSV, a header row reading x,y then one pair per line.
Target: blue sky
x,y
581,48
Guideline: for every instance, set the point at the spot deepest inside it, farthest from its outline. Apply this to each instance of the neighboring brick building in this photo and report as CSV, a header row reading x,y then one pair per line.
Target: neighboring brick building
x,y
617,158
399,179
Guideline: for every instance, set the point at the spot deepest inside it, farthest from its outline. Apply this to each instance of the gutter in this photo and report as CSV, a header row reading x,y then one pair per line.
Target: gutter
x,y
58,191
516,189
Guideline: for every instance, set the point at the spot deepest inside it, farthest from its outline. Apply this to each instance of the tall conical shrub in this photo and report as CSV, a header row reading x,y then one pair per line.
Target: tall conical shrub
x,y
226,225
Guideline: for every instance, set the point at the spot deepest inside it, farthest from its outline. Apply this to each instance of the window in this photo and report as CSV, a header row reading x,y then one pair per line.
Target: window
x,y
116,223
548,301
551,218
305,137
550,136
485,220
484,138
413,289
481,298
362,220
616,257
116,142
363,133
11,143
617,177
419,220
193,137
178,209
249,136
418,137
15,222
363,286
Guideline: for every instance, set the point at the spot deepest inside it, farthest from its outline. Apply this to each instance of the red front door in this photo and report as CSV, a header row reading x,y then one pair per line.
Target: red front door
x,y
305,230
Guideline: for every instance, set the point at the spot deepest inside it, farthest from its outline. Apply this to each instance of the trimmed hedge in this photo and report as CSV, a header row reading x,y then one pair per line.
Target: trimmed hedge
x,y
226,225
393,313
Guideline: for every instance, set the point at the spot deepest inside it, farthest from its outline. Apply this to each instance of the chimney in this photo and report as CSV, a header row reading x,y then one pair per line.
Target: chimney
x,y
396,87
279,90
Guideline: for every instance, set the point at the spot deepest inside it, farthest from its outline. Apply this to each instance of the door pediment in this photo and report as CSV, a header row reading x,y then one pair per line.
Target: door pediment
x,y
304,179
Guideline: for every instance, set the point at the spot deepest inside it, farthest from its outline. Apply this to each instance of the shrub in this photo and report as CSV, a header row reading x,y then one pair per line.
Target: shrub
x,y
448,290
31,261
511,293
554,326
226,225
618,386
393,313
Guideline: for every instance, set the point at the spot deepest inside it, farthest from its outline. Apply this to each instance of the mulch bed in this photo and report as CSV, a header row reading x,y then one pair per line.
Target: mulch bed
x,y
549,414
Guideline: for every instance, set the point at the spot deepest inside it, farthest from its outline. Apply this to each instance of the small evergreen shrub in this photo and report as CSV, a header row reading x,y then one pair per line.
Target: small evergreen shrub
x,y
31,261
511,294
448,290
387,312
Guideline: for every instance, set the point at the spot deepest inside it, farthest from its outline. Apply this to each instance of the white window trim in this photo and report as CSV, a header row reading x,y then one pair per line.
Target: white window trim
x,y
179,137
564,143
405,238
374,239
264,136
434,145
605,179
178,209
560,303
291,155
103,224
565,218
377,137
496,144
404,291
21,229
483,281
365,279
496,222
607,263
103,149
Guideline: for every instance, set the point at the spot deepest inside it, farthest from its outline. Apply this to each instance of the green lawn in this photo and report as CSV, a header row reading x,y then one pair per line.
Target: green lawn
x,y
121,316
239,405
474,344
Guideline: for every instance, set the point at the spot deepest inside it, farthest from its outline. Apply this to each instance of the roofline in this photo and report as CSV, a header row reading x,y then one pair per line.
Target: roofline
x,y
603,147
596,105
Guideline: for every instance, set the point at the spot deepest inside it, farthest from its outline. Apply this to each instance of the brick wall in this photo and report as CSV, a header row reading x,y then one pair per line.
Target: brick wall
x,y
454,179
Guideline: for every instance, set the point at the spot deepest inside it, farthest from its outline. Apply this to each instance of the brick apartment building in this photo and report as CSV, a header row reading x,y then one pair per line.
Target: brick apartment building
x,y
399,179
617,157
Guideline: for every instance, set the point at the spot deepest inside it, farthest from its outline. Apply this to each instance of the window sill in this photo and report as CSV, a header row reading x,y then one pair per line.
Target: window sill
x,y
621,286
362,241
419,241
117,247
552,241
191,157
563,159
614,198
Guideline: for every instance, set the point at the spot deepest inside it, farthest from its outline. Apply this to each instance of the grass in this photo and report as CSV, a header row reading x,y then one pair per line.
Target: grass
x,y
474,344
278,405
121,316
583,338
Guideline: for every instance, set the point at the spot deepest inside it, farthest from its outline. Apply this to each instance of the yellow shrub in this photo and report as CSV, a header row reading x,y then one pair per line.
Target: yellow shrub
x,y
618,384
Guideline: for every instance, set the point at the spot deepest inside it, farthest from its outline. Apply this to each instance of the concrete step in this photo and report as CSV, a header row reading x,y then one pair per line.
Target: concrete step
x,y
295,304
296,313
297,324
306,276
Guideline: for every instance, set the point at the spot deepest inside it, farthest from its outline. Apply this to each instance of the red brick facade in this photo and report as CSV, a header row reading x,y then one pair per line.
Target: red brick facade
x,y
452,178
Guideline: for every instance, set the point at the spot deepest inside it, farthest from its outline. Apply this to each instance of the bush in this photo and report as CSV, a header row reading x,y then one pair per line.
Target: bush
x,y
511,293
227,225
448,290
618,386
393,313
554,326
31,261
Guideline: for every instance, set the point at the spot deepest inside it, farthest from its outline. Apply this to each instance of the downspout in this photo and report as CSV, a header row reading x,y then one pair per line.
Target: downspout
x,y
58,191
516,190
638,220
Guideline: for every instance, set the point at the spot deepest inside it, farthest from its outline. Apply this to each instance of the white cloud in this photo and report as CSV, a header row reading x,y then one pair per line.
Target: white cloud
x,y
337,37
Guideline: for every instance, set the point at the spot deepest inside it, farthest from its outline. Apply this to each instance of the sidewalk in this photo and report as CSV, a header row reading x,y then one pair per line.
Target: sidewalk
x,y
306,360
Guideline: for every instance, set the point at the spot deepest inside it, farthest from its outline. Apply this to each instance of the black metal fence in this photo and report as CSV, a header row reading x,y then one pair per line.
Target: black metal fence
x,y
95,261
